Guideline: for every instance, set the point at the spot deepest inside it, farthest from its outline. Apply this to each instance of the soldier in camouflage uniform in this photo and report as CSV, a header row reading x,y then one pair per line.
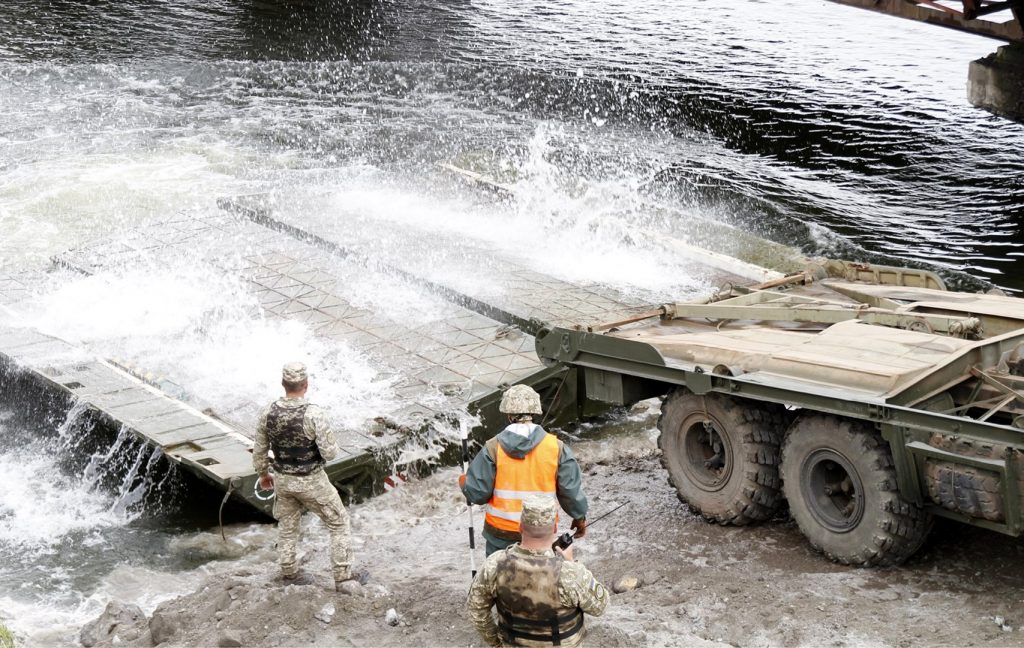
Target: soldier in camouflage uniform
x,y
540,594
302,441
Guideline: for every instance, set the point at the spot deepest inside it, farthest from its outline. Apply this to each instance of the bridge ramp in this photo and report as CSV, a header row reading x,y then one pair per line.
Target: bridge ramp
x,y
439,369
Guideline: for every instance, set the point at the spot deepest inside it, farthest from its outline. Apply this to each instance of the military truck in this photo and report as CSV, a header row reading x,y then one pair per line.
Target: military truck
x,y
869,398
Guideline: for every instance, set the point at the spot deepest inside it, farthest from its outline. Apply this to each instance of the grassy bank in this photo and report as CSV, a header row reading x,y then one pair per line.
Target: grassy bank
x,y
6,637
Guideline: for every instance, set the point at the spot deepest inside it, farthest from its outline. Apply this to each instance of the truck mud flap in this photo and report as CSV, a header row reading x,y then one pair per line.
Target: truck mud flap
x,y
972,479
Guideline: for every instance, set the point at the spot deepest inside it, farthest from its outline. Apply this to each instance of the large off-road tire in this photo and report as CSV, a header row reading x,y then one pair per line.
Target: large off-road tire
x,y
839,480
722,455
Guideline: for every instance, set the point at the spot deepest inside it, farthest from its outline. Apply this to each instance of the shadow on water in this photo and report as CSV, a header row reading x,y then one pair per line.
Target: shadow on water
x,y
105,31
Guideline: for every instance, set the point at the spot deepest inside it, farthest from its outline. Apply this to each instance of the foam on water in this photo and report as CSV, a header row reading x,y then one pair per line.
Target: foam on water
x,y
118,304
75,539
200,327
51,611
590,232
39,513
48,512
87,149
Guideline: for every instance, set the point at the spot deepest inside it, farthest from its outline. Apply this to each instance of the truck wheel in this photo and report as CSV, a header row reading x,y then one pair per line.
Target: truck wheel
x,y
838,477
722,455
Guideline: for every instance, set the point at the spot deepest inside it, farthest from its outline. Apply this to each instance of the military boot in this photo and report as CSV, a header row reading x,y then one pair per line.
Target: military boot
x,y
353,585
298,578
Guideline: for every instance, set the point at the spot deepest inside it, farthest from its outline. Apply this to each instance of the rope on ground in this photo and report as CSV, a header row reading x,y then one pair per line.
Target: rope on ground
x,y
220,513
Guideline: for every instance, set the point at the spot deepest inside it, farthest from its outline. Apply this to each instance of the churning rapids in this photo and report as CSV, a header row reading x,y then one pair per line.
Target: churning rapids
x,y
836,131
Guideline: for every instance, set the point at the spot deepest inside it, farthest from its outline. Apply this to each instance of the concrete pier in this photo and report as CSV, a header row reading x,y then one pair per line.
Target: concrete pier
x,y
996,82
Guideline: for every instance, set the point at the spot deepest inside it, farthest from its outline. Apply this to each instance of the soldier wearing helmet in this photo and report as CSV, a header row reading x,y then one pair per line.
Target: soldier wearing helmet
x,y
521,461
540,593
300,436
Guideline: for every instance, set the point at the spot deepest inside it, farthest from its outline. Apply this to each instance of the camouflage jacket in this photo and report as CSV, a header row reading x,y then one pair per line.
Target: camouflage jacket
x,y
315,426
577,587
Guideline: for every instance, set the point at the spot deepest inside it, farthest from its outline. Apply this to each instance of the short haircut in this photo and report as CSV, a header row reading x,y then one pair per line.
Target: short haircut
x,y
294,386
536,532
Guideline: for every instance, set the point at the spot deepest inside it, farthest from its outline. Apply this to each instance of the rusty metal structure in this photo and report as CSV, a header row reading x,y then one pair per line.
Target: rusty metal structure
x,y
998,19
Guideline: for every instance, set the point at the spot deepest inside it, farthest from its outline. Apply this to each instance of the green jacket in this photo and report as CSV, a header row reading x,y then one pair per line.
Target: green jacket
x,y
480,476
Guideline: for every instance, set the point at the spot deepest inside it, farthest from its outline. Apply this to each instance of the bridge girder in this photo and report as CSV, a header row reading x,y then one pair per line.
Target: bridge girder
x,y
964,15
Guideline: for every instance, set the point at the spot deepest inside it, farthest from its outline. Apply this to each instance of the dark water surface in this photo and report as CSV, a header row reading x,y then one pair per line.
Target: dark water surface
x,y
813,124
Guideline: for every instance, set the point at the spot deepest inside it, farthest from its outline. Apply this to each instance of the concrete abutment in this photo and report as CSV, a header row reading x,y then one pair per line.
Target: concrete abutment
x,y
996,82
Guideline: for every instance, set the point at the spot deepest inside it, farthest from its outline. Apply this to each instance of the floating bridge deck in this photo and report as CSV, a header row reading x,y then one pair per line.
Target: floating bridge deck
x,y
457,362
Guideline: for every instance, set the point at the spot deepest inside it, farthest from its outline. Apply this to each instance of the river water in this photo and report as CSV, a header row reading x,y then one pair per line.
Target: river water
x,y
829,129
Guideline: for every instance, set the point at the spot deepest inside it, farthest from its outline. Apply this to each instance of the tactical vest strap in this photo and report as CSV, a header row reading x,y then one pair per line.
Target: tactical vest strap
x,y
528,600
507,624
294,452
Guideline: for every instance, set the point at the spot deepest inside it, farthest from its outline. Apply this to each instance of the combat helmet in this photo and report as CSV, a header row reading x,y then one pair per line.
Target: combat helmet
x,y
520,399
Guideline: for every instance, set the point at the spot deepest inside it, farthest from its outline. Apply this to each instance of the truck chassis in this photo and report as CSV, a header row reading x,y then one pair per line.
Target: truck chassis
x,y
868,397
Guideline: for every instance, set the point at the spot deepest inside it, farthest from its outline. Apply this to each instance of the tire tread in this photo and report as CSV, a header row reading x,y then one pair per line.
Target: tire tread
x,y
902,527
758,434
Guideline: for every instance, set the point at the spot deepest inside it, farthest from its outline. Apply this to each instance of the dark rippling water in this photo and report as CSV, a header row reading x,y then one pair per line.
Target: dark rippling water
x,y
837,130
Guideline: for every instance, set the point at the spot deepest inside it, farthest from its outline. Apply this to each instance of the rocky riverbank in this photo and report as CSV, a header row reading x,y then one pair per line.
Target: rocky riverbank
x,y
697,583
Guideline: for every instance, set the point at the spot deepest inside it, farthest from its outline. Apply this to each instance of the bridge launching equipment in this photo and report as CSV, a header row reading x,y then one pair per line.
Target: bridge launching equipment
x,y
869,397
439,368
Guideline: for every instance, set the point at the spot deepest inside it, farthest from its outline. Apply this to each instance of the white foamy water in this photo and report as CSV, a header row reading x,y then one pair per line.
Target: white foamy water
x,y
75,540
91,539
87,192
49,513
47,603
586,109
40,507
201,328
597,231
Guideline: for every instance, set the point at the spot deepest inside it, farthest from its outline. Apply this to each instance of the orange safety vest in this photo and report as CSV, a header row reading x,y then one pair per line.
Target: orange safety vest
x,y
517,479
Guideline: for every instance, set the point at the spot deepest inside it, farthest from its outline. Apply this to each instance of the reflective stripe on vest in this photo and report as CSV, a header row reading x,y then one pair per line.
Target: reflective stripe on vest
x,y
536,474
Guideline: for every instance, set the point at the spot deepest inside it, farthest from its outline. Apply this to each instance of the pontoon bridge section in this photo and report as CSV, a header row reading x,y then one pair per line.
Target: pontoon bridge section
x,y
456,363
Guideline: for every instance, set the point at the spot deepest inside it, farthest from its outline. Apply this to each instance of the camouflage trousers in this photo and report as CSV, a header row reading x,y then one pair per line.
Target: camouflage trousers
x,y
294,496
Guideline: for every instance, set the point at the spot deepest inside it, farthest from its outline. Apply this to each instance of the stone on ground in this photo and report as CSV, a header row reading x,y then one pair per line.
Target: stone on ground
x,y
626,583
119,622
162,626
